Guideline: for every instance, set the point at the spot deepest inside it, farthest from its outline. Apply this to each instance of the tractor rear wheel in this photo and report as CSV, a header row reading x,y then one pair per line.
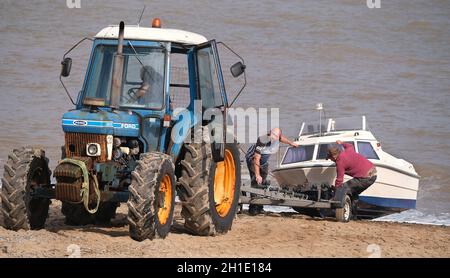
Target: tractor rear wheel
x,y
209,190
152,197
26,170
77,215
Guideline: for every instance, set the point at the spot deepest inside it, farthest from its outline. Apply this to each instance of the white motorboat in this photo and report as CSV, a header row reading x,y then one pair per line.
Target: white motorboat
x,y
306,169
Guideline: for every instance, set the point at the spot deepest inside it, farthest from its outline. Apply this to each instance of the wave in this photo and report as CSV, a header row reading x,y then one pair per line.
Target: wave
x,y
417,217
410,216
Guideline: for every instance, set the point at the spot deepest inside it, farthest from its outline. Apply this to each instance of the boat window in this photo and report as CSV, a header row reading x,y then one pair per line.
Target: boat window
x,y
298,154
366,150
323,150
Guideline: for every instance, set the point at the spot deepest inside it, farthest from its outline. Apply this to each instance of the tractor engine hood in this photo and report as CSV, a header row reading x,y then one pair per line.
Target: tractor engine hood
x,y
117,123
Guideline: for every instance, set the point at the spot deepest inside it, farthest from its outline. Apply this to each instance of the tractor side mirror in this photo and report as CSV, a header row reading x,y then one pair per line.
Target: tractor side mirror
x,y
237,69
66,66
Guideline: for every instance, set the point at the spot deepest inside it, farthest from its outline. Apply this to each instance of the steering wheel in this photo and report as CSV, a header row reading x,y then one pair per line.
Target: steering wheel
x,y
132,94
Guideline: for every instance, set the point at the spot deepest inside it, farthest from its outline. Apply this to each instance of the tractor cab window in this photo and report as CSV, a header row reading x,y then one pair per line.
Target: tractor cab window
x,y
99,84
208,78
180,96
143,76
143,83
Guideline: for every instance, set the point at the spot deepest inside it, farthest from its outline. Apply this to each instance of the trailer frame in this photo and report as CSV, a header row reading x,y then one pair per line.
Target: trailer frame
x,y
276,196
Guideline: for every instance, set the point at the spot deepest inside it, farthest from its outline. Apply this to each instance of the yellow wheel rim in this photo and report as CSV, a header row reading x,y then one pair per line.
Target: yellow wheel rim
x,y
165,191
224,184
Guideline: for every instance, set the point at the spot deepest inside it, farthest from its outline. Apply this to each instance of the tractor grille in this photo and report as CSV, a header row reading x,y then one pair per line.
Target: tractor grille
x,y
76,145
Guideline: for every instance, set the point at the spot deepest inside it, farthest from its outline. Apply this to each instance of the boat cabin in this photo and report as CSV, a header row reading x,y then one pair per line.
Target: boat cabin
x,y
315,138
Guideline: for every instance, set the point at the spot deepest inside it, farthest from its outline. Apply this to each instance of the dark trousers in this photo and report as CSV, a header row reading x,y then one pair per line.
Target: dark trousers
x,y
353,187
263,171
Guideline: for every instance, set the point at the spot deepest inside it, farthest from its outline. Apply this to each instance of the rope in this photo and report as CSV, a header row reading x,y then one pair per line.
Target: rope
x,y
84,192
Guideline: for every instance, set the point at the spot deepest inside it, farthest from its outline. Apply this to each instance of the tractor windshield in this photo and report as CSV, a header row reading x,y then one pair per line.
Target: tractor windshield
x,y
143,76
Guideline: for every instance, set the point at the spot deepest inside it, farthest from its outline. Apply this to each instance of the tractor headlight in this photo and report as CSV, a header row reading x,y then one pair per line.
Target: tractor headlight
x,y
93,149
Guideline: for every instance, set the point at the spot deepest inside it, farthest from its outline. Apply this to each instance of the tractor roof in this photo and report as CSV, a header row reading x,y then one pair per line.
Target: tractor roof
x,y
152,34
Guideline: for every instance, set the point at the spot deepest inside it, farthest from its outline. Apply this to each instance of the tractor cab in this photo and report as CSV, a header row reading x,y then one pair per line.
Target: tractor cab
x,y
143,105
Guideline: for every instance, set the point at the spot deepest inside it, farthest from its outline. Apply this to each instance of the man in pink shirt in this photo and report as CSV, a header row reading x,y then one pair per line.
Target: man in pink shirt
x,y
353,164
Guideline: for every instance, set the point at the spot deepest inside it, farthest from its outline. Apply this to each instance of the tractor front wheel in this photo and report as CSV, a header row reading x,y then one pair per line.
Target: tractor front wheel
x,y
25,171
152,197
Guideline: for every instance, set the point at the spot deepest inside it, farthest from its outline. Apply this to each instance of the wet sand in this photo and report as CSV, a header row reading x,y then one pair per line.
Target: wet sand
x,y
269,235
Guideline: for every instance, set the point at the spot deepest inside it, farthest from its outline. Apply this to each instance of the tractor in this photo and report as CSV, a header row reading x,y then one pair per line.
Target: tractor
x,y
126,142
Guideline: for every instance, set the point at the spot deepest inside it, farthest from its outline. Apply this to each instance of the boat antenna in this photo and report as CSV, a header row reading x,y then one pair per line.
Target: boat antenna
x,y
319,107
142,13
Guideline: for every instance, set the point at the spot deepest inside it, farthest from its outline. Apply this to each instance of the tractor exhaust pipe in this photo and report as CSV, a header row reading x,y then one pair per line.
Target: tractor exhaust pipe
x,y
121,34
117,74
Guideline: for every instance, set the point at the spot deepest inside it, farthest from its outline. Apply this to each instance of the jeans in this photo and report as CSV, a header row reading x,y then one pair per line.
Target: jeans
x,y
263,171
353,187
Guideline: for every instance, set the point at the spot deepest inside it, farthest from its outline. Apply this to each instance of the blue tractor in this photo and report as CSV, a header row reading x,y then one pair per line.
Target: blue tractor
x,y
129,139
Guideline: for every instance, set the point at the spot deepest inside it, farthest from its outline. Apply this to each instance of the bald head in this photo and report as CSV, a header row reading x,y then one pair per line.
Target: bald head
x,y
275,134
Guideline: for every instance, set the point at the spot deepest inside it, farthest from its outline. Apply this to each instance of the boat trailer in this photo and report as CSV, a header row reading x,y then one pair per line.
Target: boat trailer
x,y
277,196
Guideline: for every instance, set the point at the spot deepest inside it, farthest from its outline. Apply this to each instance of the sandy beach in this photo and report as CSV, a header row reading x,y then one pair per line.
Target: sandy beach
x,y
269,235
307,61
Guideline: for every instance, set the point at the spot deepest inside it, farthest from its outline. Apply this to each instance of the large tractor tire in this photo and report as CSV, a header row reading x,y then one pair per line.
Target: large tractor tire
x,y
26,169
77,215
209,191
152,197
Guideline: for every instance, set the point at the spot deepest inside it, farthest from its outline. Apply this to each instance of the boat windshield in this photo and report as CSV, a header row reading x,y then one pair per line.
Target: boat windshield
x,y
143,76
347,123
333,125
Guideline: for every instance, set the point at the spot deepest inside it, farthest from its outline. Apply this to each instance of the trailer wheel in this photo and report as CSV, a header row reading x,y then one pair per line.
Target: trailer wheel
x,y
209,191
344,214
25,170
152,197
